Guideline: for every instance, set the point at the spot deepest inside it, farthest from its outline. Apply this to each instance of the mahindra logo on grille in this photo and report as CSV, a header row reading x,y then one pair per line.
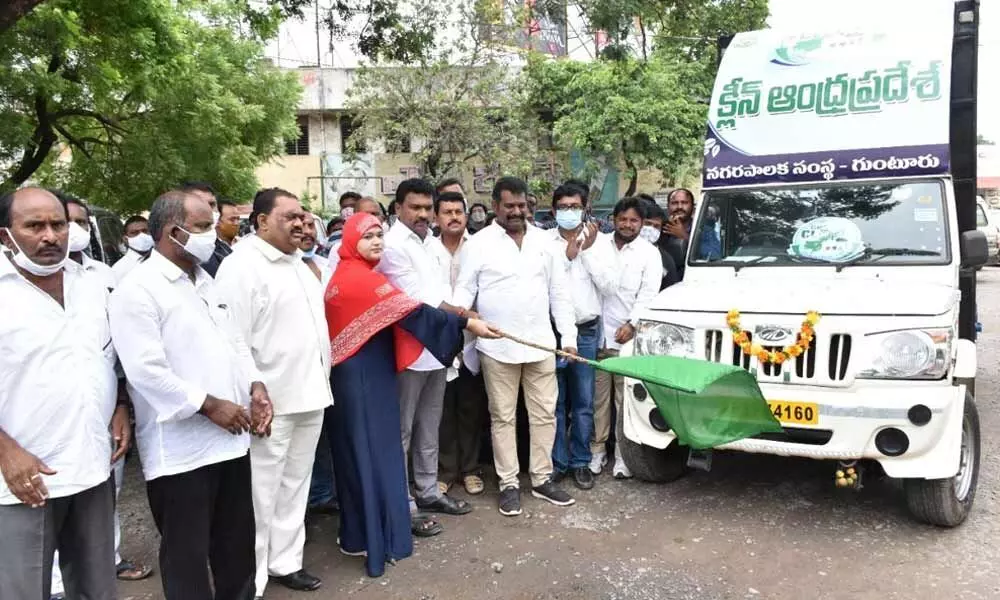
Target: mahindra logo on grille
x,y
772,334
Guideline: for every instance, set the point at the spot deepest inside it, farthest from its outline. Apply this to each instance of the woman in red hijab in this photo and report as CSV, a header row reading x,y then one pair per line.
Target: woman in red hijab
x,y
376,331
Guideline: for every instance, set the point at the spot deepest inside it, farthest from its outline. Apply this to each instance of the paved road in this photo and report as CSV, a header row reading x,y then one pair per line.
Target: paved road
x,y
755,527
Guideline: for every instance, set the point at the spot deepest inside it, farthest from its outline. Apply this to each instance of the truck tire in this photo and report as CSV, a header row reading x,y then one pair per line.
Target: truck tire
x,y
648,463
947,502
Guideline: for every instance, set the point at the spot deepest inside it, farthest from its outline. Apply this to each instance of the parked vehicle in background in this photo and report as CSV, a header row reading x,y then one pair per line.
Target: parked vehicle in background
x,y
988,221
107,233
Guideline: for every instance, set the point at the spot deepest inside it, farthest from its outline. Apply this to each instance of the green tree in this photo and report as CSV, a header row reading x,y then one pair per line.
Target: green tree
x,y
142,93
626,112
461,104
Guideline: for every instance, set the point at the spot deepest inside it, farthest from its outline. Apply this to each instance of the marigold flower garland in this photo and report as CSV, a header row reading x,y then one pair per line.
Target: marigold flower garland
x,y
741,338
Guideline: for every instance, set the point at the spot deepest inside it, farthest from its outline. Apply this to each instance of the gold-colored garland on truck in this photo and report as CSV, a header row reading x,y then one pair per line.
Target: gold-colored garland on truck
x,y
805,337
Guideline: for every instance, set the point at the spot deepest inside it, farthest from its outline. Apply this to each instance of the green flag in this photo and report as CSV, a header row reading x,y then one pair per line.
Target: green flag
x,y
706,404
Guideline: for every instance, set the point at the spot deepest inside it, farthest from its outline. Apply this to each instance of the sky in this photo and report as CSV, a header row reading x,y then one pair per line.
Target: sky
x,y
790,14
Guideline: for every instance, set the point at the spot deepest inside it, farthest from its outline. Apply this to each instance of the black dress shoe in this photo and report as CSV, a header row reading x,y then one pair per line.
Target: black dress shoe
x,y
583,478
299,581
446,505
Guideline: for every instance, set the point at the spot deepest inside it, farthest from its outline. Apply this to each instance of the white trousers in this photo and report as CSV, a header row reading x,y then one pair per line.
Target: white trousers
x,y
57,582
281,470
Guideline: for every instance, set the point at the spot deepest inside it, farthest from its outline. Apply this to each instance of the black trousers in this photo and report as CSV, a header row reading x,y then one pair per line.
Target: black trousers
x,y
206,524
460,435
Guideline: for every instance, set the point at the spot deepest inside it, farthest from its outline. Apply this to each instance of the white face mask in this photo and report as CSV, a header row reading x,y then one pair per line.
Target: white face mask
x,y
199,245
650,234
347,213
215,218
21,259
79,238
141,243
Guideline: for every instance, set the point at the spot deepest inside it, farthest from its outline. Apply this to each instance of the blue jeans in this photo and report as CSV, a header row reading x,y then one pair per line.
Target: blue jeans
x,y
323,488
576,403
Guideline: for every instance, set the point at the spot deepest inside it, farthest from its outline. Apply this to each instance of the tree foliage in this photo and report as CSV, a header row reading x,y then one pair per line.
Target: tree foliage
x,y
143,94
462,104
626,112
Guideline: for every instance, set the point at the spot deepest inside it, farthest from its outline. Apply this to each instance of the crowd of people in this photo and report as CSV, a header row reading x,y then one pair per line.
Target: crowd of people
x,y
288,372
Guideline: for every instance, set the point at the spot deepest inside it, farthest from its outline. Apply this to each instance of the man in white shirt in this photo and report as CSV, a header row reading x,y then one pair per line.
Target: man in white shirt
x,y
510,274
627,286
138,245
572,247
322,487
79,241
196,394
413,262
58,414
277,303
464,413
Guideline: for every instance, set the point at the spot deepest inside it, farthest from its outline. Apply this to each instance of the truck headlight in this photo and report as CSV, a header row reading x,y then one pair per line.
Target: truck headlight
x,y
910,354
664,339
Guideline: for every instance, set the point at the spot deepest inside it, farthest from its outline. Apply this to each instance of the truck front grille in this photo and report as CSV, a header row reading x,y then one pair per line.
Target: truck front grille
x,y
719,347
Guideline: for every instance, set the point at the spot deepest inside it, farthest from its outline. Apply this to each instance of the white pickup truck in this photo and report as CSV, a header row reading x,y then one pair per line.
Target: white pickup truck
x,y
836,181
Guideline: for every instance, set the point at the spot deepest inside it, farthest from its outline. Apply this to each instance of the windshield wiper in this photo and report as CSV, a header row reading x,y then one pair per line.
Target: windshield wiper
x,y
880,253
737,265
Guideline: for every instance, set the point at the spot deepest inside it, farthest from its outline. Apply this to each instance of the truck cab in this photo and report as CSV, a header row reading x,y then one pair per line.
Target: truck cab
x,y
835,186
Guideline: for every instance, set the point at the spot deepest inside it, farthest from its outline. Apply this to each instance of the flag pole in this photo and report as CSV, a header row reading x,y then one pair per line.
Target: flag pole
x,y
555,351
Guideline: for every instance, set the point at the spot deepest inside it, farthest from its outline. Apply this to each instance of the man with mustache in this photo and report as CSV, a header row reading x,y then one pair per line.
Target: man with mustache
x,y
515,281
627,287
413,262
677,230
277,303
464,414
58,413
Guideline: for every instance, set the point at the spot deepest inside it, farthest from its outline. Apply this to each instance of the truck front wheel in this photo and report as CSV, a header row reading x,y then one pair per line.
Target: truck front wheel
x,y
648,463
947,502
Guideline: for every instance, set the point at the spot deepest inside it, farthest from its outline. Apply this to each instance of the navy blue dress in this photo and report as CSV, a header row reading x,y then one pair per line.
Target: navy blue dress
x,y
366,443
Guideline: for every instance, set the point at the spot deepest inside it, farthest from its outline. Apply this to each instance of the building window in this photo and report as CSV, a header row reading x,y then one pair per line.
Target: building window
x,y
400,145
300,145
349,125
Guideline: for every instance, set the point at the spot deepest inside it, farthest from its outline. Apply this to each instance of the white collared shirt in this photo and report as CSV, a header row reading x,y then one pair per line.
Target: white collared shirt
x,y
178,342
100,270
277,303
417,267
125,264
628,283
57,378
583,292
453,262
515,289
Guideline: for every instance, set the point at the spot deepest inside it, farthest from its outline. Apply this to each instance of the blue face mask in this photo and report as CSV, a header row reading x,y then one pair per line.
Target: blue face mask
x,y
310,253
569,219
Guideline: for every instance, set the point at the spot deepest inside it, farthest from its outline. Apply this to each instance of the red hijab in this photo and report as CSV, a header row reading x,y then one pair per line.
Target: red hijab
x,y
360,302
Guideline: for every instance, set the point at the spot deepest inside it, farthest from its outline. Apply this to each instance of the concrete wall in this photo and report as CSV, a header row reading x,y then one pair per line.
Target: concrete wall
x,y
292,173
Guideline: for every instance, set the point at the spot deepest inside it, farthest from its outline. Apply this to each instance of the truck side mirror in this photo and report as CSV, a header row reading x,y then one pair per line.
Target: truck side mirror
x,y
974,248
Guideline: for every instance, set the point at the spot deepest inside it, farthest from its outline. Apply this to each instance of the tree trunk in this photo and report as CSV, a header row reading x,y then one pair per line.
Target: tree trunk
x,y
633,177
12,10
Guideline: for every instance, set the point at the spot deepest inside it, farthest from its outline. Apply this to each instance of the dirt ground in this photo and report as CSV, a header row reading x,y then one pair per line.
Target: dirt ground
x,y
754,527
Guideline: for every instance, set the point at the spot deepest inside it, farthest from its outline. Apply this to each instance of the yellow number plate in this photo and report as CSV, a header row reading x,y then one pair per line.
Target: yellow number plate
x,y
797,413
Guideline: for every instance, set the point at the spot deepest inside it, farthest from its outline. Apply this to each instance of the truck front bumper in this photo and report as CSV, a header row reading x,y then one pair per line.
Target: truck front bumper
x,y
848,423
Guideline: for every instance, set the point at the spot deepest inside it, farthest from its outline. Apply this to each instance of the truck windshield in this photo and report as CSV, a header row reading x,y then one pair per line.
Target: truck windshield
x,y
843,225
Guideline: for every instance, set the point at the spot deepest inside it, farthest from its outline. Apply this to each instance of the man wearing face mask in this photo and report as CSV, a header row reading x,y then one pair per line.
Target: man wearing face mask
x,y
277,303
205,192
571,245
79,241
80,237
197,395
138,245
627,286
651,231
477,217
61,407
